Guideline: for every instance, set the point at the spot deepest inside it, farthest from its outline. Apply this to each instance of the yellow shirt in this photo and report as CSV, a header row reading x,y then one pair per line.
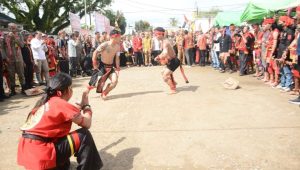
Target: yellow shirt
x,y
147,44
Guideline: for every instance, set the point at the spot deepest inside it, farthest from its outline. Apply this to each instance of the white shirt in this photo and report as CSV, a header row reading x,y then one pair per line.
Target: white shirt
x,y
72,48
156,44
127,45
38,49
217,45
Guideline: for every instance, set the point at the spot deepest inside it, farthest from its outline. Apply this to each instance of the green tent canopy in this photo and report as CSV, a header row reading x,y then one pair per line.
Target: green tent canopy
x,y
256,10
228,17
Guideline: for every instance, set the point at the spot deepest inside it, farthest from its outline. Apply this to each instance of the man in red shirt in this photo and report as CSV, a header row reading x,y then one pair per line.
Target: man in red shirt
x,y
137,44
201,44
189,48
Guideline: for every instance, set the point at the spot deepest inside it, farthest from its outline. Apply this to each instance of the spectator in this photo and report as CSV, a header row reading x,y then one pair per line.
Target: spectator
x,y
147,49
189,48
63,63
14,58
39,49
180,50
137,44
2,56
72,43
28,60
201,43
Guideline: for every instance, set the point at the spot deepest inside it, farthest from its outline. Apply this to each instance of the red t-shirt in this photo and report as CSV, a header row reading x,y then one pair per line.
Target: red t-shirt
x,y
52,120
137,44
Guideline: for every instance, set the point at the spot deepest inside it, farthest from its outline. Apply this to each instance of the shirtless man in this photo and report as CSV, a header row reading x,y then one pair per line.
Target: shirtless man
x,y
105,68
168,58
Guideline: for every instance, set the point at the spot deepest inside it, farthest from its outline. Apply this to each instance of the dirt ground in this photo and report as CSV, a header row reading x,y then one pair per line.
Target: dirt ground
x,y
204,126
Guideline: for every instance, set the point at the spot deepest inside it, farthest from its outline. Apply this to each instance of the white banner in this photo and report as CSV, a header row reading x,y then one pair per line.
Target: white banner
x,y
74,21
102,23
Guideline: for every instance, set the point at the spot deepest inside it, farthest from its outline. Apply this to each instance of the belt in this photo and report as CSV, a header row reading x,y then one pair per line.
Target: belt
x,y
36,137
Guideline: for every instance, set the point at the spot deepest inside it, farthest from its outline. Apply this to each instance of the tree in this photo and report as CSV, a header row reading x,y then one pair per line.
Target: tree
x,y
49,16
142,26
209,14
121,21
173,22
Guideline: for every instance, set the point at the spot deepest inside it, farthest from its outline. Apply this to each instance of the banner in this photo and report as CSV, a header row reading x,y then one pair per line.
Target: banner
x,y
75,22
102,23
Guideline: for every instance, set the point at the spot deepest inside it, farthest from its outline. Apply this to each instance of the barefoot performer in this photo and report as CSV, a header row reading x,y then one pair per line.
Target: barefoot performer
x,y
103,70
168,58
46,141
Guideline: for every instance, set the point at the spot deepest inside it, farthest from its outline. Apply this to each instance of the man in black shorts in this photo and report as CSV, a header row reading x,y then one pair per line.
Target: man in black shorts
x,y
168,58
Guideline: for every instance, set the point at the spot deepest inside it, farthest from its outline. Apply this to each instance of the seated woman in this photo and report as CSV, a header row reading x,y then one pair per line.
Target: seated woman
x,y
47,142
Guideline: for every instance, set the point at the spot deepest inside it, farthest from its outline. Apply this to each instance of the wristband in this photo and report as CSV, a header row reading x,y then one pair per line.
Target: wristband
x,y
84,106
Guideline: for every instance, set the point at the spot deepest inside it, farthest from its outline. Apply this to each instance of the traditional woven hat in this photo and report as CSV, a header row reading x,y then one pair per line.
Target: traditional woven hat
x,y
231,84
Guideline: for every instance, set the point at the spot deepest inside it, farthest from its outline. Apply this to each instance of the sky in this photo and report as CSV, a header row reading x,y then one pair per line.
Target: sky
x,y
158,12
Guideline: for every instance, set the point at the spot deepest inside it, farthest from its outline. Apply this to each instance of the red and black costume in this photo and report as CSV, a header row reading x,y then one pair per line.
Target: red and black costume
x,y
47,142
100,76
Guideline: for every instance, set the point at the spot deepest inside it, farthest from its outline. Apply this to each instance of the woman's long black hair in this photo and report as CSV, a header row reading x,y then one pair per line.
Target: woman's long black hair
x,y
59,83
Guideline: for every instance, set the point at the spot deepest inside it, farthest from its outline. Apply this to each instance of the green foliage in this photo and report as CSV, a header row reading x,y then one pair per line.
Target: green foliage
x,y
209,14
119,16
142,26
49,16
173,22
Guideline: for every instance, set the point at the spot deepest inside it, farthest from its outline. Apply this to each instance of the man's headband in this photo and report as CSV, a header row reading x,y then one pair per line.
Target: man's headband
x,y
115,35
268,21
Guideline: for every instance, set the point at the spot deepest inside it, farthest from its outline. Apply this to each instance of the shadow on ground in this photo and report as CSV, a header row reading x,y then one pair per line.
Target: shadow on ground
x,y
123,159
188,88
128,95
10,105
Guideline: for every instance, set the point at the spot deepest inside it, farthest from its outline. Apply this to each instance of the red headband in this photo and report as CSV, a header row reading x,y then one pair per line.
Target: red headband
x,y
298,8
115,35
159,33
287,20
268,21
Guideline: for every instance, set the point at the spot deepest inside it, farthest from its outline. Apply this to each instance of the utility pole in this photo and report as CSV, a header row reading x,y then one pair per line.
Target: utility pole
x,y
86,26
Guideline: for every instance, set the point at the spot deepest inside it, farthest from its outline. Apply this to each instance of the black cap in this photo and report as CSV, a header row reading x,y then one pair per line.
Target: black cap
x,y
114,31
160,29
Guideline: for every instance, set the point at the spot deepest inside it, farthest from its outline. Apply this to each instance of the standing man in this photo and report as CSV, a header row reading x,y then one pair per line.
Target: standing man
x,y
189,48
201,44
147,49
225,46
2,56
180,50
104,69
28,60
14,58
156,49
79,52
96,41
63,63
285,39
72,44
167,57
39,50
137,44
245,49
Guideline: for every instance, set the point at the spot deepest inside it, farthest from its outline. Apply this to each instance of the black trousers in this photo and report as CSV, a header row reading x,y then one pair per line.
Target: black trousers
x,y
87,155
139,58
202,54
153,56
28,74
63,65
